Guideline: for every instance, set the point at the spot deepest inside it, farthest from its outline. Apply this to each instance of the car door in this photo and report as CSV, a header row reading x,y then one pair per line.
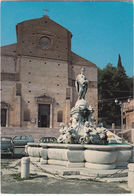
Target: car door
x,y
16,140
23,140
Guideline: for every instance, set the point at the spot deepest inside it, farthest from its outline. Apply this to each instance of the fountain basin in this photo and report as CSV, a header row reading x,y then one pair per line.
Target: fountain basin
x,y
102,157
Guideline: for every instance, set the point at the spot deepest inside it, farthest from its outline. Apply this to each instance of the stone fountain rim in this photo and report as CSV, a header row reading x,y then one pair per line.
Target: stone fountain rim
x,y
81,146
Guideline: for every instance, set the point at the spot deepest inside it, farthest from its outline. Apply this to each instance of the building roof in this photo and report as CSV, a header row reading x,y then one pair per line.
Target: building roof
x,y
28,24
8,50
78,60
43,20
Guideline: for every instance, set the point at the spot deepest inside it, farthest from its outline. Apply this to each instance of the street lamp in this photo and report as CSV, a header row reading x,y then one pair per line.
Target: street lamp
x,y
121,107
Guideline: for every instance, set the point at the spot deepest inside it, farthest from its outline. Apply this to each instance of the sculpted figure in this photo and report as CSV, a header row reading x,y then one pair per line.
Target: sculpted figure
x,y
70,136
90,117
62,131
85,138
81,84
102,134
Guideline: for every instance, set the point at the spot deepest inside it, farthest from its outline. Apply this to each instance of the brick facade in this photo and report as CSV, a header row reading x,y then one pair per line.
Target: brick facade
x,y
128,111
40,69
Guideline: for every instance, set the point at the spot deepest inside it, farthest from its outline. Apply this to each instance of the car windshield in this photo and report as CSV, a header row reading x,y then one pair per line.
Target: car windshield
x,y
5,139
16,138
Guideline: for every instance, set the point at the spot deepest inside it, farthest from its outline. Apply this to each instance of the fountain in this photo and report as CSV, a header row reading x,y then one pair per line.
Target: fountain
x,y
82,128
82,144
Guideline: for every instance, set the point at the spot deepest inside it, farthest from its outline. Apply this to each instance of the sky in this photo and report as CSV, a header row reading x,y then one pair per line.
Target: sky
x,y
101,29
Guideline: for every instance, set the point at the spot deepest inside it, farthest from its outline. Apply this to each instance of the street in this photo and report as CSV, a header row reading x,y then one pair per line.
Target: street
x,y
39,184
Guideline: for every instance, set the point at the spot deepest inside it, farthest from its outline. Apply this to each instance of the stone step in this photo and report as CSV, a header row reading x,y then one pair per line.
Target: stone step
x,y
114,173
79,173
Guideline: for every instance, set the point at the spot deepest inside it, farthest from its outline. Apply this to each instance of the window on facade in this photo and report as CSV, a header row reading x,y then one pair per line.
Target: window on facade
x,y
60,116
18,89
132,124
26,115
67,93
124,121
3,117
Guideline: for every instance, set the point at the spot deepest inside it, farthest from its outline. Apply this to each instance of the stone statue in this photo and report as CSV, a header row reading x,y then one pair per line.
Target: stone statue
x,y
81,84
82,129
63,131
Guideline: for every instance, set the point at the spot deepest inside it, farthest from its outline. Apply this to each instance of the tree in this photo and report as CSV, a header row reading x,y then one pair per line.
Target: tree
x,y
112,83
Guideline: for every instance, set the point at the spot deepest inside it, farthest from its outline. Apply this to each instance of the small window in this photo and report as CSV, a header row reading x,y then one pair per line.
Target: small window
x,y
60,116
26,115
68,93
18,89
3,117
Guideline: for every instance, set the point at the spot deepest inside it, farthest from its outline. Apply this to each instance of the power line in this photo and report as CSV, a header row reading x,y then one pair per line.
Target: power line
x,y
101,100
115,91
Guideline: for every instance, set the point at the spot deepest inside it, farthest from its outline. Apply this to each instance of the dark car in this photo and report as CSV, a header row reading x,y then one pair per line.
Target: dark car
x,y
22,140
7,146
47,140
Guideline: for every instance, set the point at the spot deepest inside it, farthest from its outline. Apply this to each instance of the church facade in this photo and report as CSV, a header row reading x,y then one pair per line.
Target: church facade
x,y
38,76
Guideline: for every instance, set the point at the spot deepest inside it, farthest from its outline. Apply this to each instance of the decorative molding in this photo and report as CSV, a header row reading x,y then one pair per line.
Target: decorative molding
x,y
44,99
5,105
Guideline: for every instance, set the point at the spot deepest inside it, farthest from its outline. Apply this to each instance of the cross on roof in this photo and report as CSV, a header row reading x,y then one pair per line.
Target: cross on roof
x,y
45,10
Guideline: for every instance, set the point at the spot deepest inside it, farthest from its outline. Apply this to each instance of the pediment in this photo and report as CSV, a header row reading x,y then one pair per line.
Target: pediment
x,y
44,99
5,105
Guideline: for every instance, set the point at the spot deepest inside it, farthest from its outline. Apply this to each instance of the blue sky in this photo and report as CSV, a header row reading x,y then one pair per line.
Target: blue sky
x,y
101,30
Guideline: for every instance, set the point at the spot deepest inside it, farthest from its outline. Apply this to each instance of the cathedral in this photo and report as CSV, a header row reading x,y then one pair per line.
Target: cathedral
x,y
38,76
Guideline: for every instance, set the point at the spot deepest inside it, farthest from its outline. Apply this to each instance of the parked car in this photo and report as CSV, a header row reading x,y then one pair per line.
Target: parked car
x,y
7,146
47,140
22,140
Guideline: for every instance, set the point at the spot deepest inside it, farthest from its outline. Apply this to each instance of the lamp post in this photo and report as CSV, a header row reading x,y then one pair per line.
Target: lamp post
x,y
121,108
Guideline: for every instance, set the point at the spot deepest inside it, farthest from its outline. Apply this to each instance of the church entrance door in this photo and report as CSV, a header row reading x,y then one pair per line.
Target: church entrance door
x,y
3,117
43,115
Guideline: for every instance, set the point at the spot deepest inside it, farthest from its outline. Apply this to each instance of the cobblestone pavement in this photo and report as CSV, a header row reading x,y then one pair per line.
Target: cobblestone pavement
x,y
10,183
